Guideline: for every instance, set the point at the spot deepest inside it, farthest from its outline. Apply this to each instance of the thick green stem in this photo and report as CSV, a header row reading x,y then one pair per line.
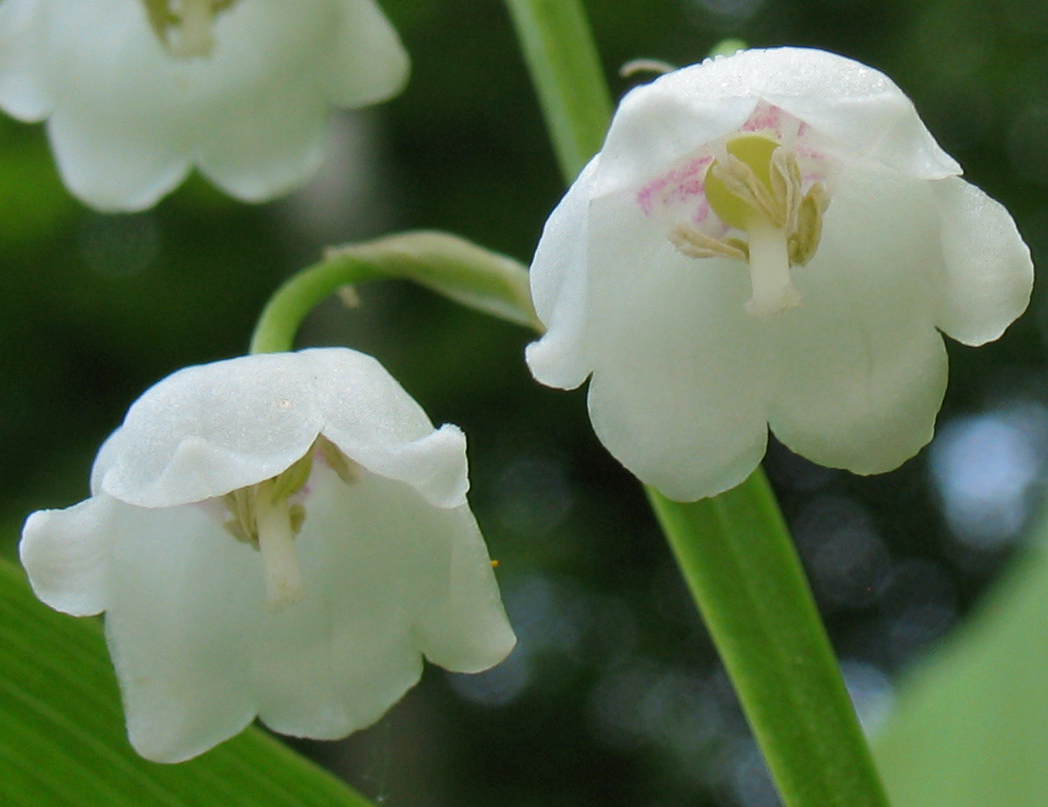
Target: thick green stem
x,y
734,550
743,571
446,264
565,69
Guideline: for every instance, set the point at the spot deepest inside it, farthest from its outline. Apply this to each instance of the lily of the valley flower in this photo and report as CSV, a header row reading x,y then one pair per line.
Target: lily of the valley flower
x,y
137,92
768,238
281,535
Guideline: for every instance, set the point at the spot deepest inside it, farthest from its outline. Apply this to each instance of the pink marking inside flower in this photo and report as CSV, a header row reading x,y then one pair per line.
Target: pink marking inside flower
x,y
675,186
764,117
808,152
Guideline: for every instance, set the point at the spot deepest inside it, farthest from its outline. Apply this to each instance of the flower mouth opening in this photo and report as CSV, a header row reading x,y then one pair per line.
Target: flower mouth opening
x,y
748,198
270,514
185,27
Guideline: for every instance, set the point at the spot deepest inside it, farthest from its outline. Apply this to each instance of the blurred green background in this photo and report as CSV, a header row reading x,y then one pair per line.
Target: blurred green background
x,y
614,695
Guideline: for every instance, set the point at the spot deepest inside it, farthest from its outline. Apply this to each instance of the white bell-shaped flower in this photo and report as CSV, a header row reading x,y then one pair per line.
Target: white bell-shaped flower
x,y
138,92
282,535
770,238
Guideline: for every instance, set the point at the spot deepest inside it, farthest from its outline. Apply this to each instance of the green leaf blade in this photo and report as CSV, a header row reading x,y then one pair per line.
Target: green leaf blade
x,y
970,727
63,741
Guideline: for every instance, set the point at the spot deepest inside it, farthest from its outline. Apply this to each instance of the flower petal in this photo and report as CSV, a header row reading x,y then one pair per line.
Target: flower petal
x,y
274,144
112,167
210,429
261,122
368,63
380,568
677,393
464,628
861,370
860,108
683,382
374,422
65,553
435,465
207,430
559,288
989,273
659,123
22,94
186,603
116,133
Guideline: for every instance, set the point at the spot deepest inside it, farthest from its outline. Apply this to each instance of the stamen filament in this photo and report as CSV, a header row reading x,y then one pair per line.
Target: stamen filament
x,y
276,542
772,287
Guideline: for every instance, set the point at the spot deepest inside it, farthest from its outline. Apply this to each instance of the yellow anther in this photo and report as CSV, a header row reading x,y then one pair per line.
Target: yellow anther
x,y
807,231
696,244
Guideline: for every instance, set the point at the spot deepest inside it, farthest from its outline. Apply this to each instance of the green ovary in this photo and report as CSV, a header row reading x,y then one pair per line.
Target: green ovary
x,y
753,151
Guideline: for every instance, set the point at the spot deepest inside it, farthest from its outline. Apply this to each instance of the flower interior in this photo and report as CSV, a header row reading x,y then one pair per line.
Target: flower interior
x,y
758,195
184,27
269,514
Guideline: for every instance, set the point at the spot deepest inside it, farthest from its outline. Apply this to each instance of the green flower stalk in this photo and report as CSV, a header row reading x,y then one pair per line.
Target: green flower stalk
x,y
448,265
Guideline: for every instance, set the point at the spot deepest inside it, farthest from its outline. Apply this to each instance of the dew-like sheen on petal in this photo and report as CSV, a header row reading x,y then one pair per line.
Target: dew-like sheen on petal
x,y
857,106
210,429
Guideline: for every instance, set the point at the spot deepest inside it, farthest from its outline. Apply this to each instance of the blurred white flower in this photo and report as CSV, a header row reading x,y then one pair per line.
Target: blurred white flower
x,y
768,238
281,535
137,93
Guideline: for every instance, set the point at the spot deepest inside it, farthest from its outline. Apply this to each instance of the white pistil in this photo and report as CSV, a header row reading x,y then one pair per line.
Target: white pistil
x,y
772,288
195,23
276,542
